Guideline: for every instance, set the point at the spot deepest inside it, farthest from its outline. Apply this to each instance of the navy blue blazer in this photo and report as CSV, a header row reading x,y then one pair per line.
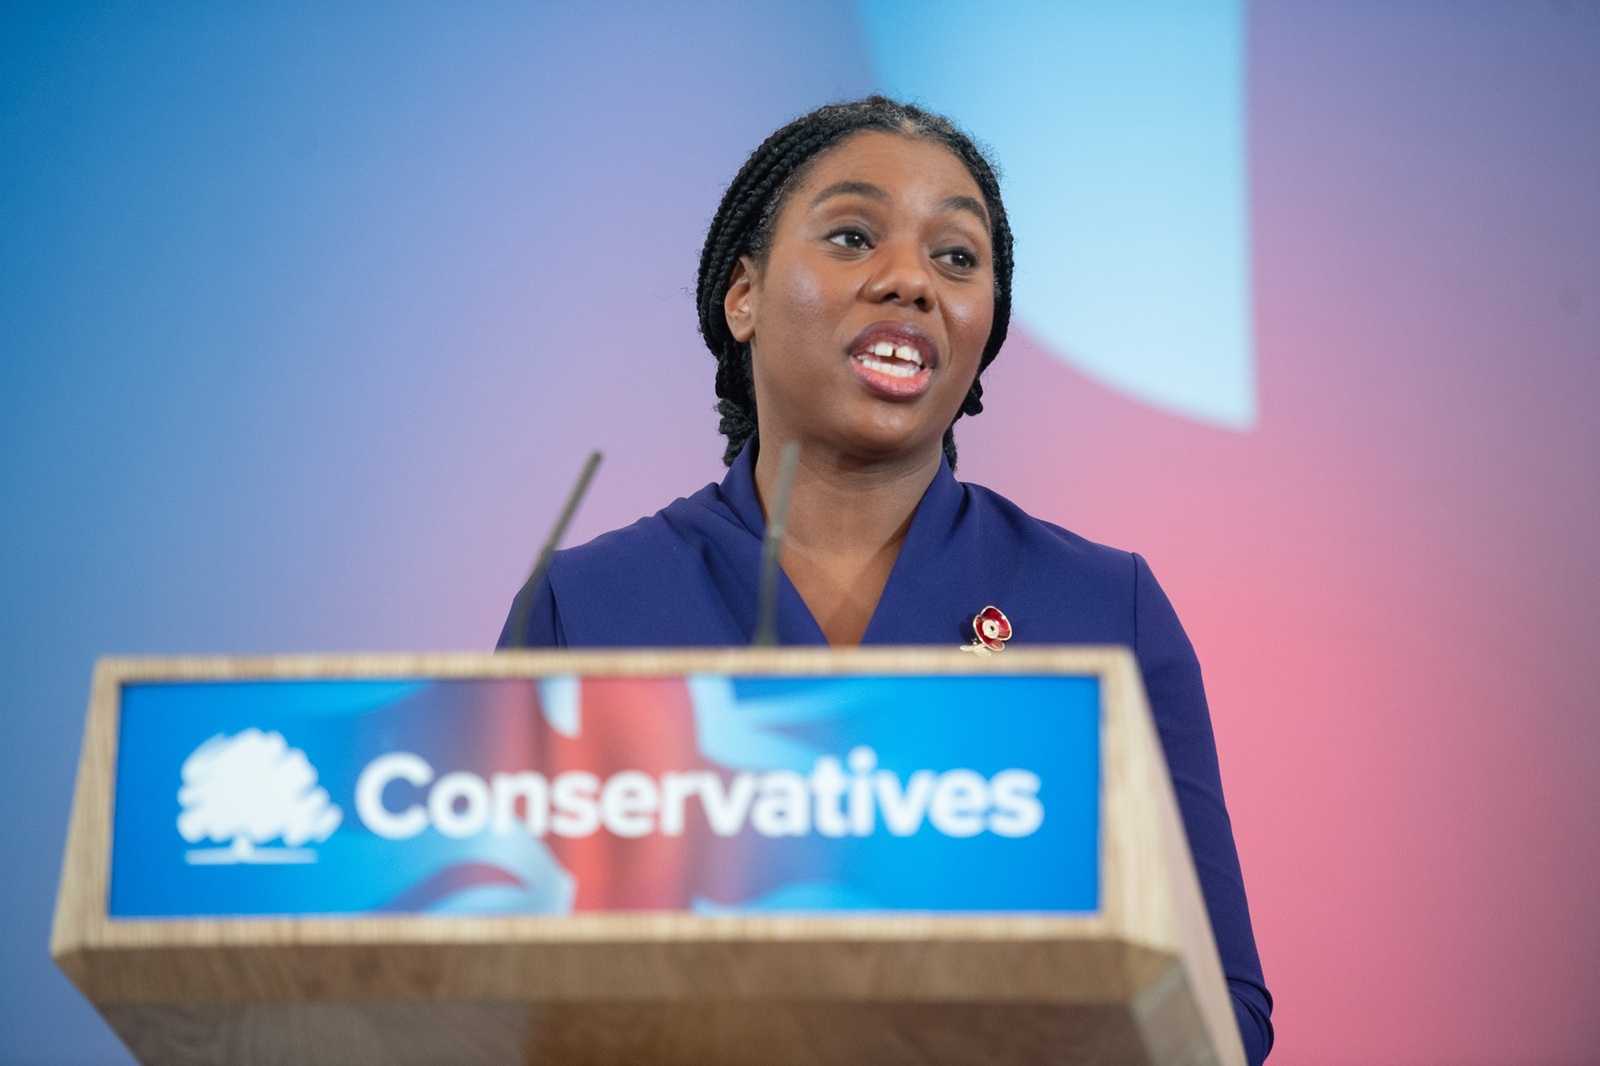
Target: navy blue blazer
x,y
689,576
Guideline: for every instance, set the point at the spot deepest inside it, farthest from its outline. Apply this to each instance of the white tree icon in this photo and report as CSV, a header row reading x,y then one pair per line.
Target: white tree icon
x,y
244,790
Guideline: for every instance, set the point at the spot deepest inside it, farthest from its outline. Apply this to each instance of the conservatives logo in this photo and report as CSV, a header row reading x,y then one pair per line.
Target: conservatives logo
x,y
836,799
243,791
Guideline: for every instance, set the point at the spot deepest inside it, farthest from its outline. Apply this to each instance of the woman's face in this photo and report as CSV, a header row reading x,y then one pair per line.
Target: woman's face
x,y
869,316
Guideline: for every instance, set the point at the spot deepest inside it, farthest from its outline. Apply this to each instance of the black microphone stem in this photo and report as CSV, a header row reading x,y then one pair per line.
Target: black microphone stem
x,y
771,545
522,604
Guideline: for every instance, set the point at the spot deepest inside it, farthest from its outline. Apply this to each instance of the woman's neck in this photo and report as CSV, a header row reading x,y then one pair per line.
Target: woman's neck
x,y
845,526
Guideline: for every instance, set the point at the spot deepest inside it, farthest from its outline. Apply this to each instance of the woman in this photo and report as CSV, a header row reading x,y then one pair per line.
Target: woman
x,y
854,284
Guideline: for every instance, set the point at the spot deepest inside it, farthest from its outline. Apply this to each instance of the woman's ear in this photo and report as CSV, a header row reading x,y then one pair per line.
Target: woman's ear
x,y
738,306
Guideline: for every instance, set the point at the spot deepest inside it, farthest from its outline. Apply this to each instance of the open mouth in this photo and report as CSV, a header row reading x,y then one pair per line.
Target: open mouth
x,y
896,360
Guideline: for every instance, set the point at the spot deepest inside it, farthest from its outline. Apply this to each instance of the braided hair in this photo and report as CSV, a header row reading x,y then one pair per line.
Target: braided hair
x,y
749,210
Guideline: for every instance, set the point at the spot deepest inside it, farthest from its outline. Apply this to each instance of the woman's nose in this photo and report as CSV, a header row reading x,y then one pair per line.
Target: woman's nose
x,y
901,276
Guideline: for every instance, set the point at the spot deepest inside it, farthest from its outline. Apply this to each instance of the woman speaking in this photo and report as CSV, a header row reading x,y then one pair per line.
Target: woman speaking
x,y
854,285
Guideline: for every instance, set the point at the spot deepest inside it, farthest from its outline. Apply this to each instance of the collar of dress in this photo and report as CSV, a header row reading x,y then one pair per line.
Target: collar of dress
x,y
924,572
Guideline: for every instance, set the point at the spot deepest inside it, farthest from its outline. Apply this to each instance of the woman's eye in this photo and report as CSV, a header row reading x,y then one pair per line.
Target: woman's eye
x,y
960,258
849,238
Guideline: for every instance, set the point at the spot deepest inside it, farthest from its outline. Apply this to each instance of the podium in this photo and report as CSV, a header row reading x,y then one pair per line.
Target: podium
x,y
744,856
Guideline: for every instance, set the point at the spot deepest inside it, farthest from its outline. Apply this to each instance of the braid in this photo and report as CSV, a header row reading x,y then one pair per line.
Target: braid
x,y
749,210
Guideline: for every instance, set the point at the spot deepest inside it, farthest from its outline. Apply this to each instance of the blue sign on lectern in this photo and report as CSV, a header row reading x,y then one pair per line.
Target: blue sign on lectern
x,y
707,793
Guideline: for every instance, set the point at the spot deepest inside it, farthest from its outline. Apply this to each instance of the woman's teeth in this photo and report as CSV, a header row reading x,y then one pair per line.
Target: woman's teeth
x,y
896,360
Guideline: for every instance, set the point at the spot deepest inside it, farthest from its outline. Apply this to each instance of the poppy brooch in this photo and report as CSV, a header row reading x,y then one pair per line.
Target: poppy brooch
x,y
990,631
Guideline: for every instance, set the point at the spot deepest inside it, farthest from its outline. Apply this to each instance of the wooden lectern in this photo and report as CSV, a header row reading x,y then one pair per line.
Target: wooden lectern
x,y
1133,977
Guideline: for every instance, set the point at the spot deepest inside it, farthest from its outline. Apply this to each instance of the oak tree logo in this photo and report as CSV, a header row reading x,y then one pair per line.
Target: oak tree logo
x,y
243,791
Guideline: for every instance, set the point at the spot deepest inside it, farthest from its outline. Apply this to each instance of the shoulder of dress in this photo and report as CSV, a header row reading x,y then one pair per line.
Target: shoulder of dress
x,y
661,581
683,527
1035,535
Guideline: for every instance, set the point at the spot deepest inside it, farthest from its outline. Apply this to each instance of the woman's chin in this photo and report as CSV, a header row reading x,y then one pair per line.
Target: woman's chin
x,y
893,439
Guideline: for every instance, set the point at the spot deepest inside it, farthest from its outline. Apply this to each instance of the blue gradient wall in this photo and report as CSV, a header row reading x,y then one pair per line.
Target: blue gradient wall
x,y
308,315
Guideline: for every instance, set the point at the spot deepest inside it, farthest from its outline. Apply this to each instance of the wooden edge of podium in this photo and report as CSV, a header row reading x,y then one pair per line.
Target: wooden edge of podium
x,y
1153,896
82,897
1152,921
630,662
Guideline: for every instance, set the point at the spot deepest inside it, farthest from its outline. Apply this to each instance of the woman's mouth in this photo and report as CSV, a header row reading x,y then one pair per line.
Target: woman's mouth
x,y
897,360
894,367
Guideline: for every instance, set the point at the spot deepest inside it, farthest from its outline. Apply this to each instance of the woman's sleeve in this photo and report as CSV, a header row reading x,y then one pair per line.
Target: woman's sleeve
x,y
537,607
1178,702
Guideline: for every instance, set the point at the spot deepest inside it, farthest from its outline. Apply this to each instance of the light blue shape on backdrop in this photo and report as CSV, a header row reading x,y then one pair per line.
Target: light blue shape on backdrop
x,y
1120,131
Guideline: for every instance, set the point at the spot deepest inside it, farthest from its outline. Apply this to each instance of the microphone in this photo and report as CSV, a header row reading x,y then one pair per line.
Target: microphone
x,y
520,606
767,607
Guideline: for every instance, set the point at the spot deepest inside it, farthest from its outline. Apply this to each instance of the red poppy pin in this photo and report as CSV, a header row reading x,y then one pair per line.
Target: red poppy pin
x,y
990,629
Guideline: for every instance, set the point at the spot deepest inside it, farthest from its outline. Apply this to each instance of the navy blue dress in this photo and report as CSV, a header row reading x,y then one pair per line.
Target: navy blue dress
x,y
689,575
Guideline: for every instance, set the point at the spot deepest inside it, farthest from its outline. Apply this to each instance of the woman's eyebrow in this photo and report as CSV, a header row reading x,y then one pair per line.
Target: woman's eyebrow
x,y
851,188
873,192
967,203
